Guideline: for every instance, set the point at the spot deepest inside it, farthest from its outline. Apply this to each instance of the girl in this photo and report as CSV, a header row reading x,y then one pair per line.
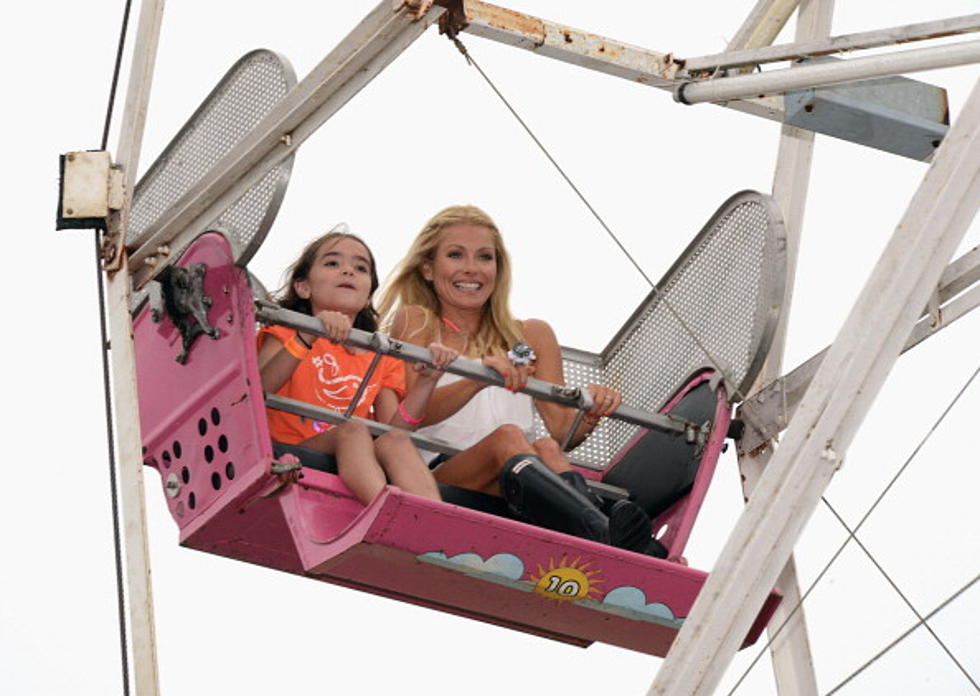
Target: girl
x,y
453,287
334,280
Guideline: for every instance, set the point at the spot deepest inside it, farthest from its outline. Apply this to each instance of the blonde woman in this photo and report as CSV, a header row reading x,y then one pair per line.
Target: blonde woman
x,y
452,288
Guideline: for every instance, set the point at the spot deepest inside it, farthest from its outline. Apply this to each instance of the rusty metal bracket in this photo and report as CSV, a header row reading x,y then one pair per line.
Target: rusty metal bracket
x,y
187,305
453,19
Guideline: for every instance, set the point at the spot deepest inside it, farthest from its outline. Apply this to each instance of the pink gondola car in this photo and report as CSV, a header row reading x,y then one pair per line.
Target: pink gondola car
x,y
204,429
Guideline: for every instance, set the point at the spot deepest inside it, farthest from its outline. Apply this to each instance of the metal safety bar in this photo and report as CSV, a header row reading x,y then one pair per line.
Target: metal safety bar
x,y
302,408
572,397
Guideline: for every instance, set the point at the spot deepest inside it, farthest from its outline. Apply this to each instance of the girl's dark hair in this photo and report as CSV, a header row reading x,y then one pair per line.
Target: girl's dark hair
x,y
366,319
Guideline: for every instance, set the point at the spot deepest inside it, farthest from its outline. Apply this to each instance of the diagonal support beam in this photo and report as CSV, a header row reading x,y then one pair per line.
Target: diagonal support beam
x,y
763,24
380,37
841,393
769,410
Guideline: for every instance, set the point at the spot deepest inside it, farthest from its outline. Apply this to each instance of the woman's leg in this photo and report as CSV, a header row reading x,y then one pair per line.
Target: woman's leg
x,y
404,466
550,453
478,467
351,444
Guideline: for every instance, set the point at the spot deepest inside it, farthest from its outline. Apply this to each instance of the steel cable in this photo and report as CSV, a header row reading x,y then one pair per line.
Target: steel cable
x,y
107,389
774,634
736,393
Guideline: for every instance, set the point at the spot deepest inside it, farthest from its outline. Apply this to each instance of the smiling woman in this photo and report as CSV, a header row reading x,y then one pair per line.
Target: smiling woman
x,y
453,288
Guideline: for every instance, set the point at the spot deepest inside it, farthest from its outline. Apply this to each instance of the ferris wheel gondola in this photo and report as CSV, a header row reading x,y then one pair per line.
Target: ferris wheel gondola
x,y
234,492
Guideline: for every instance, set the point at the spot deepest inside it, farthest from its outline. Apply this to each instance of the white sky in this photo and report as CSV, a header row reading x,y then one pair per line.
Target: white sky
x,y
425,134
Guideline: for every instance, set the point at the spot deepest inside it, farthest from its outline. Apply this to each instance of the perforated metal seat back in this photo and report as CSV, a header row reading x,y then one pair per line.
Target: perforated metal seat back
x,y
243,97
717,307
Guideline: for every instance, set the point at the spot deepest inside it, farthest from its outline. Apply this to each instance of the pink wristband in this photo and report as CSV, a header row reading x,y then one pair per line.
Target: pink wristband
x,y
404,414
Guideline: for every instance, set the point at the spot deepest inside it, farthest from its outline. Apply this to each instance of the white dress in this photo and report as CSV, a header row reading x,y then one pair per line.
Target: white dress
x,y
487,410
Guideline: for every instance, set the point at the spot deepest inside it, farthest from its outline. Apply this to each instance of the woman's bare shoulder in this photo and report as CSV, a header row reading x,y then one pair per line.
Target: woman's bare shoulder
x,y
538,330
408,322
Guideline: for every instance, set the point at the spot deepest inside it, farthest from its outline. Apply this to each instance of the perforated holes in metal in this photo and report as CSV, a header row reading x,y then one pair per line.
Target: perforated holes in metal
x,y
716,291
253,86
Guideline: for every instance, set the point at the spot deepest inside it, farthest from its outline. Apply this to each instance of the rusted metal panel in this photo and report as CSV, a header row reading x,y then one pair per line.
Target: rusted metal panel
x,y
503,25
567,44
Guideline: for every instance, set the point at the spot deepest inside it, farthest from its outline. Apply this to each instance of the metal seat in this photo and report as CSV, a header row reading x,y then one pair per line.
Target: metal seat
x,y
694,346
716,308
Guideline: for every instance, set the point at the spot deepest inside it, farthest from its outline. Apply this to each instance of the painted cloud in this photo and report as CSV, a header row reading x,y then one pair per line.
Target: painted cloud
x,y
504,565
633,599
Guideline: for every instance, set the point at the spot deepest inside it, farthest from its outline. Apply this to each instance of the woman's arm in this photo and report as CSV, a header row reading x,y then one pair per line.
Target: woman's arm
x,y
444,401
410,413
548,367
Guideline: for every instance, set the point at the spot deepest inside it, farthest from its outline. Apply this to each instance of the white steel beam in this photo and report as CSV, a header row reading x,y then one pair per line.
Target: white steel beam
x,y
768,410
825,423
763,24
134,121
789,644
129,444
922,31
587,50
821,74
380,37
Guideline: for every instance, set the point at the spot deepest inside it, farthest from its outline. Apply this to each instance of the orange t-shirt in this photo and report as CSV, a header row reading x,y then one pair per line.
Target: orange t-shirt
x,y
329,376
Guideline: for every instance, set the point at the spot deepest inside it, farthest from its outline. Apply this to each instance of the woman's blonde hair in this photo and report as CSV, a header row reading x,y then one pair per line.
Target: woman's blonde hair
x,y
406,286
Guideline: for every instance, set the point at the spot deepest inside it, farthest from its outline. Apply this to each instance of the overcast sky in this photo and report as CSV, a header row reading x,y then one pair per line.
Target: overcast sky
x,y
427,133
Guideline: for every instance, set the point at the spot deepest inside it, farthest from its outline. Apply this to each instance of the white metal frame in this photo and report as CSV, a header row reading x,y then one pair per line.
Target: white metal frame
x,y
129,443
792,660
828,417
843,387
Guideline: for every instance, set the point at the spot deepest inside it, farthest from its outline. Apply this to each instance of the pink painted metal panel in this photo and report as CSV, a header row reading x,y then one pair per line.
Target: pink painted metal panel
x,y
674,525
203,422
680,517
512,574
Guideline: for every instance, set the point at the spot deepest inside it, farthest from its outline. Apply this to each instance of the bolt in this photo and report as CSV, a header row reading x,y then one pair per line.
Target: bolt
x,y
70,157
69,211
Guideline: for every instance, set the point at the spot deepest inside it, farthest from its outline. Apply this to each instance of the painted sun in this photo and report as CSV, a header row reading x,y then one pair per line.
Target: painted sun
x,y
567,580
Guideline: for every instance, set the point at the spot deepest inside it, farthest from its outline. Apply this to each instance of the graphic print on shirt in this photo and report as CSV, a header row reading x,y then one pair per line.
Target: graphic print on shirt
x,y
335,390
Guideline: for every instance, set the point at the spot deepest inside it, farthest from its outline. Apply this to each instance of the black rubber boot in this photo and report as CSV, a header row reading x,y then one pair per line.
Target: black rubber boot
x,y
577,481
538,495
629,524
629,528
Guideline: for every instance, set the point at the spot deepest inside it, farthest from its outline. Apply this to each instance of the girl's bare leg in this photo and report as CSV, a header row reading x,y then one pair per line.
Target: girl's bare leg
x,y
353,448
404,466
